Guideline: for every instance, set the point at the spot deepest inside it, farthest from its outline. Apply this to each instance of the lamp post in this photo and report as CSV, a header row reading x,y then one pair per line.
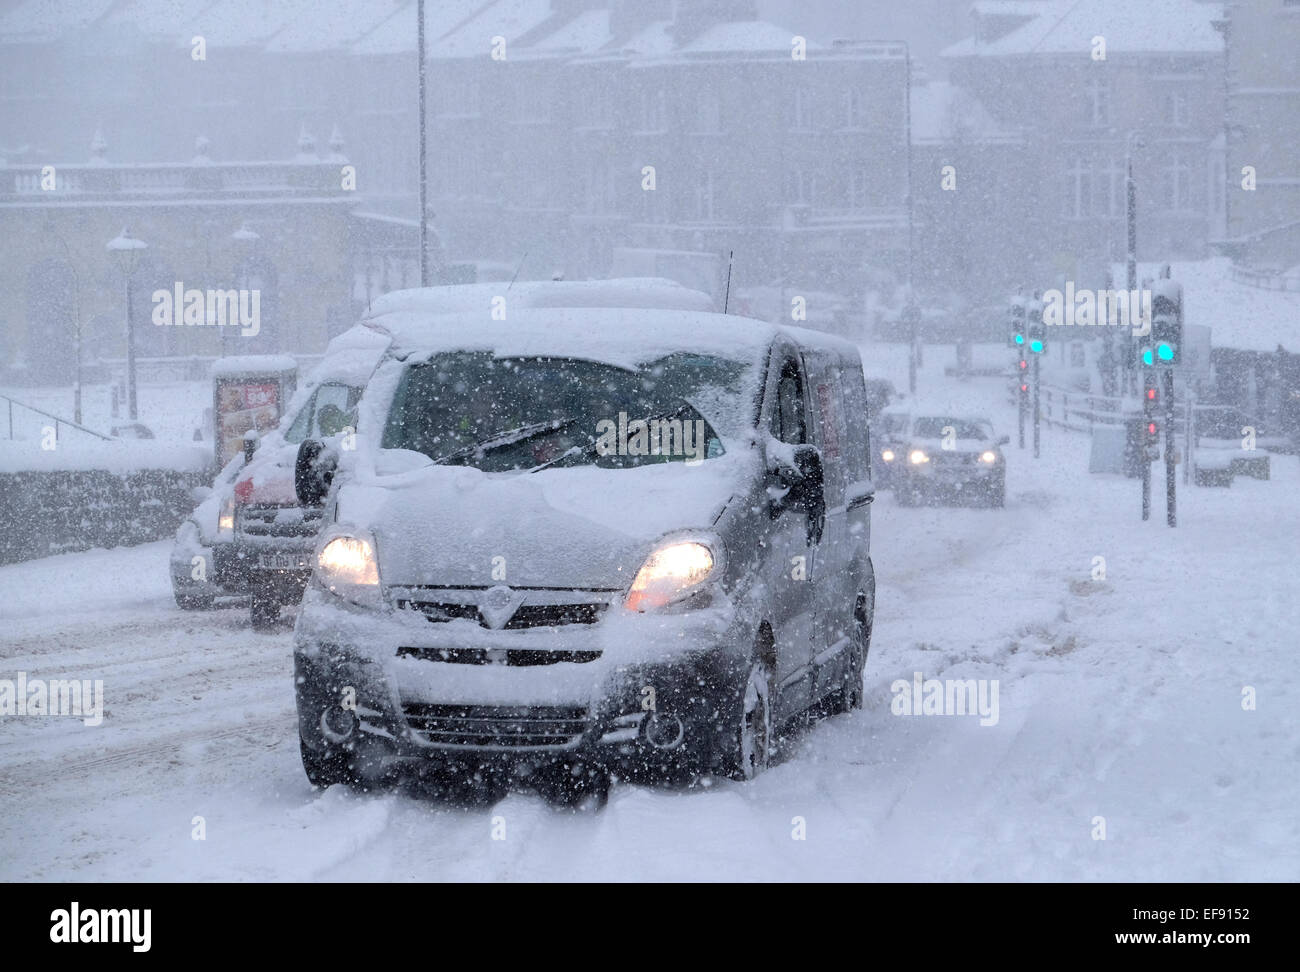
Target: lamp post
x,y
126,252
424,148
1133,141
911,312
245,239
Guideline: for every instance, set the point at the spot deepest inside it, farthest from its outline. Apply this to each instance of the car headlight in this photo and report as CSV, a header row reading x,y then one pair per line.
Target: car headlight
x,y
918,457
226,518
989,456
671,573
887,455
346,566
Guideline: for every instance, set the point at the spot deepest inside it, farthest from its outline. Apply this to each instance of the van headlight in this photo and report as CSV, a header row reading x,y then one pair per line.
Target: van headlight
x,y
226,518
347,566
670,574
988,456
918,458
887,455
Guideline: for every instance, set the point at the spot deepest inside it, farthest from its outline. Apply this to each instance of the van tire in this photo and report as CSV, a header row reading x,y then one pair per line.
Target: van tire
x,y
192,602
753,732
324,769
581,786
851,694
263,610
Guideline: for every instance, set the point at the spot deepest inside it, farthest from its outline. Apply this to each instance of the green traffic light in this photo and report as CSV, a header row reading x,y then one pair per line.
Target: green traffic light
x,y
1020,339
1036,347
1147,357
1165,352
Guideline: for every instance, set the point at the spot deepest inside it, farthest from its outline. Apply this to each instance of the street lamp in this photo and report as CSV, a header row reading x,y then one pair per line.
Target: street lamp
x,y
1133,140
126,253
245,240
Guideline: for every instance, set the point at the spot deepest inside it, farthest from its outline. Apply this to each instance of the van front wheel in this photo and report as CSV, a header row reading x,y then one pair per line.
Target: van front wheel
x,y
753,736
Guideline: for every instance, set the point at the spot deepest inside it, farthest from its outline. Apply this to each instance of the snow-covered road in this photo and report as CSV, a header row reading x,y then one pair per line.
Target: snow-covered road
x,y
1119,699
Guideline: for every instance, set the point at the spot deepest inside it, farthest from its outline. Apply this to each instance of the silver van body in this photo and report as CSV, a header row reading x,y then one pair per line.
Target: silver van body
x,y
579,610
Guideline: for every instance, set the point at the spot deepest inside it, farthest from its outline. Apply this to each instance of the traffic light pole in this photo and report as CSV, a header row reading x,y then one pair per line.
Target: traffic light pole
x,y
1171,479
1022,397
1148,414
1037,411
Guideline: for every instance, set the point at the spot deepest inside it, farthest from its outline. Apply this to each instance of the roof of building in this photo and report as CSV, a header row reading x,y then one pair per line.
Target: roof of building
x,y
1057,27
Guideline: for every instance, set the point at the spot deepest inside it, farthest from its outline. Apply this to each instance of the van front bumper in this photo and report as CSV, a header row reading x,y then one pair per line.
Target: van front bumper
x,y
657,693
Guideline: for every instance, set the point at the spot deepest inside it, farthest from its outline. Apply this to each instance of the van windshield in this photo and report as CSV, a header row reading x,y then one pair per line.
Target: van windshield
x,y
331,409
528,413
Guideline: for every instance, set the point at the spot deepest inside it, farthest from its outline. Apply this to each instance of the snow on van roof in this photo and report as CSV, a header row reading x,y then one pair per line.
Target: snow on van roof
x,y
616,335
823,341
645,292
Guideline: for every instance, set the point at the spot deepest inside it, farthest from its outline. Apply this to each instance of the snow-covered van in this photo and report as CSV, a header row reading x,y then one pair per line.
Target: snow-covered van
x,y
251,536
583,541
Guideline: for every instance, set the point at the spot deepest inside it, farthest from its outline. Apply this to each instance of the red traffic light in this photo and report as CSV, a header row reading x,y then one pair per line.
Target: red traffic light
x,y
1024,388
1023,364
1151,428
1151,394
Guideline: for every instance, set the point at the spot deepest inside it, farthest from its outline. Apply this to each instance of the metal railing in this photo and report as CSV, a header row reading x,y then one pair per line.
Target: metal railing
x,y
58,422
1082,412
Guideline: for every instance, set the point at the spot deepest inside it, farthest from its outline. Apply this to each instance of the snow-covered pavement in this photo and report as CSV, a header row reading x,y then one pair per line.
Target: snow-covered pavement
x,y
1118,699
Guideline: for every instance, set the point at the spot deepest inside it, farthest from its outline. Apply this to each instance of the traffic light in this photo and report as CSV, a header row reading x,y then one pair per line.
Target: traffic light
x,y
1016,320
1166,346
1035,331
1151,416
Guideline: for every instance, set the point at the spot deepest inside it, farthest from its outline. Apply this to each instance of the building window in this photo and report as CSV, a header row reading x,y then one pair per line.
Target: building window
x,y
654,111
532,102
708,112
800,188
804,111
704,197
652,210
1111,198
457,98
1099,101
599,190
860,189
1178,185
855,108
1175,108
1077,199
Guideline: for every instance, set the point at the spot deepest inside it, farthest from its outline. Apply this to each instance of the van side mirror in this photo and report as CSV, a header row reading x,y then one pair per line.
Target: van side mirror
x,y
313,472
1003,441
799,484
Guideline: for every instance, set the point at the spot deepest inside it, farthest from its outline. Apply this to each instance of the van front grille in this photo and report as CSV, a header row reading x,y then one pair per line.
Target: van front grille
x,y
497,656
497,726
525,616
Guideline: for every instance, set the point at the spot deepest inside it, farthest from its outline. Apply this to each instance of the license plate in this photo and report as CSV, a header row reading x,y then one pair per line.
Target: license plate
x,y
280,561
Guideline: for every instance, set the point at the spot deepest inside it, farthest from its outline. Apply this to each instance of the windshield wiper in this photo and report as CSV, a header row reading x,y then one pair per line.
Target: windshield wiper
x,y
577,452
512,437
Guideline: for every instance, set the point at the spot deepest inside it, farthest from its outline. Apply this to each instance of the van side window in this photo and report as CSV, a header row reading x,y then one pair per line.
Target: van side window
x,y
789,419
